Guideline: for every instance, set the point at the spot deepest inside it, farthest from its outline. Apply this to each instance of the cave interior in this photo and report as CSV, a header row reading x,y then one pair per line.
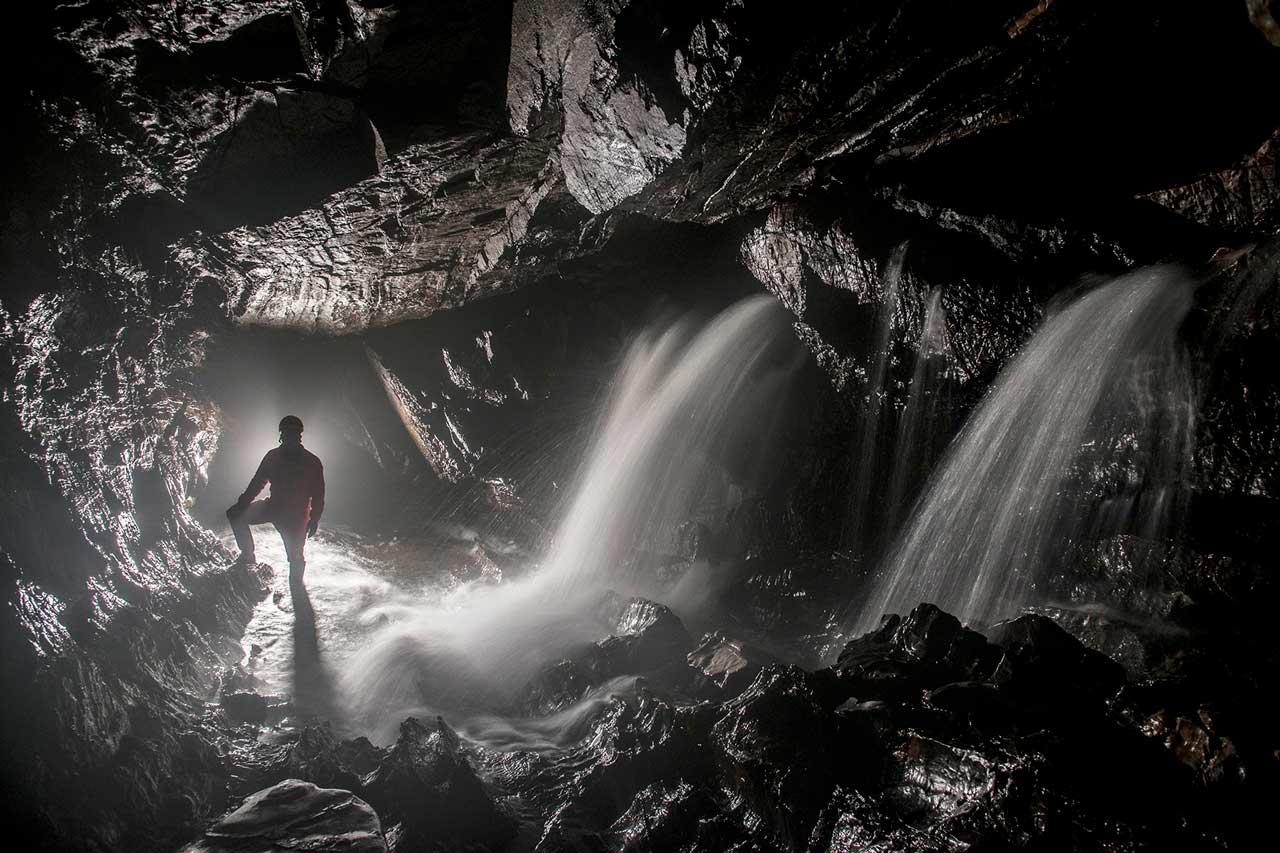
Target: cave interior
x,y
745,426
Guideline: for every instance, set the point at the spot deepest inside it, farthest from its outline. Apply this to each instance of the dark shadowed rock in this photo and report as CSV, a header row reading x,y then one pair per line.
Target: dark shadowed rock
x,y
779,747
647,635
1124,641
677,816
313,754
319,757
426,785
927,648
1241,200
639,616
287,149
245,707
1198,743
852,822
938,779
636,743
1044,665
295,815
980,702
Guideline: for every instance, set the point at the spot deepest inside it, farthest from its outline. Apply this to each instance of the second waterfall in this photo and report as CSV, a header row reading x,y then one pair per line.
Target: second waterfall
x,y
1086,433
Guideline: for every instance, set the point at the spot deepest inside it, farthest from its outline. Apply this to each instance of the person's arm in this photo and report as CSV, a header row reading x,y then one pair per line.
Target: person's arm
x,y
260,479
317,499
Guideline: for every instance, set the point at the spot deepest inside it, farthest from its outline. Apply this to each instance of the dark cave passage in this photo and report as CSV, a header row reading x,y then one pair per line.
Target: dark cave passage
x,y
256,377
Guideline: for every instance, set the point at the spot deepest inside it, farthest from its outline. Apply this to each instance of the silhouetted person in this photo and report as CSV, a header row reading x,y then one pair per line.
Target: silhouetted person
x,y
295,504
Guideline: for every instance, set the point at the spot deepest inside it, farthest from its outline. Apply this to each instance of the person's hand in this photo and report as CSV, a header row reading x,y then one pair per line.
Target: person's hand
x,y
312,526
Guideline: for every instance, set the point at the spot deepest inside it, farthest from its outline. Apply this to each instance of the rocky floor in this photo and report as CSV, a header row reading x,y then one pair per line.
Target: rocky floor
x,y
485,197
922,735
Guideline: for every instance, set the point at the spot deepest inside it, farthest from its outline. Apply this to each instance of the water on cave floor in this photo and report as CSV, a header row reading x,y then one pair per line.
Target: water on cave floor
x,y
385,644
341,584
301,644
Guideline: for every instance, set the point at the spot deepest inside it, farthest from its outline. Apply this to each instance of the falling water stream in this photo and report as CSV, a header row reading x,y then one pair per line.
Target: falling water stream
x,y
389,650
1086,432
914,445
866,461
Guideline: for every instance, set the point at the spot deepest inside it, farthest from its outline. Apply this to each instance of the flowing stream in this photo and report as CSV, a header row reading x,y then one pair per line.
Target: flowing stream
x,y
389,649
1085,433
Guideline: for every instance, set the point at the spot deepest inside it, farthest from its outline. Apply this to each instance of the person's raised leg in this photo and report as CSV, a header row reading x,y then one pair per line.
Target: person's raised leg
x,y
254,513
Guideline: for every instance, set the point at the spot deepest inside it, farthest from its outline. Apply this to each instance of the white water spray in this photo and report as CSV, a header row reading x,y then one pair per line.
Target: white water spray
x,y
916,440
1099,397
678,399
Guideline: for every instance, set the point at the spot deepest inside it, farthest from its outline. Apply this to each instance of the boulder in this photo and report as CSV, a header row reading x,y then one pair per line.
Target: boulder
x,y
245,707
853,822
926,649
779,747
729,664
637,744
682,816
319,757
1045,667
296,815
937,779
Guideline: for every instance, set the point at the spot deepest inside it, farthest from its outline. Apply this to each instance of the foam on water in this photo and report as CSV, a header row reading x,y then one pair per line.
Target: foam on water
x,y
679,397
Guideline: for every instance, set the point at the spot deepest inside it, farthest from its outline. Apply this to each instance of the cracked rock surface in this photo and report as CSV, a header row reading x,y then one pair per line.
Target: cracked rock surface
x,y
485,201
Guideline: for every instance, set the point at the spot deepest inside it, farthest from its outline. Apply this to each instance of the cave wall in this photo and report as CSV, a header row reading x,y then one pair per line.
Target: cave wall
x,y
349,168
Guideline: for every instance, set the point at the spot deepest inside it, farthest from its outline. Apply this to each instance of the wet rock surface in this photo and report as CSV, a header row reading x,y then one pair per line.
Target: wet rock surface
x,y
996,743
493,197
989,741
426,785
296,815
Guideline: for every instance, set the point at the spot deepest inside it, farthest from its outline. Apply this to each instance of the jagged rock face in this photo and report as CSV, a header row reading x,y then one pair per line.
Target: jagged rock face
x,y
414,240
426,784
341,168
646,639
1240,198
121,607
615,137
840,293
769,101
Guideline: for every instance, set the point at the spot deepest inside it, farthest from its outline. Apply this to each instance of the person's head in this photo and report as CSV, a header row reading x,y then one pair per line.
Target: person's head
x,y
291,429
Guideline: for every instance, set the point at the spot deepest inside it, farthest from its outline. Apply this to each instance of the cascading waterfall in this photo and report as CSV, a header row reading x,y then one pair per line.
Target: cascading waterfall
x,y
674,406
865,466
679,399
918,424
1099,399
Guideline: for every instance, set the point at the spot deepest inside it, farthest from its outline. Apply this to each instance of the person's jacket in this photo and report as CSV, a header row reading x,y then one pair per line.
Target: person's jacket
x,y
297,482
